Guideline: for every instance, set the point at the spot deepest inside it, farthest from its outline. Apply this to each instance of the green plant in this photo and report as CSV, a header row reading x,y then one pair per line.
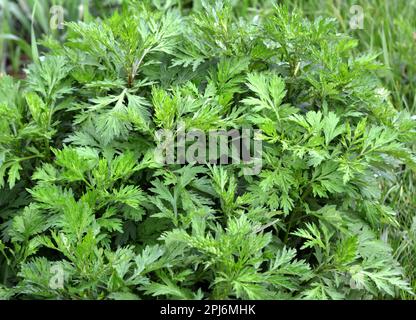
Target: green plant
x,y
84,197
24,20
388,30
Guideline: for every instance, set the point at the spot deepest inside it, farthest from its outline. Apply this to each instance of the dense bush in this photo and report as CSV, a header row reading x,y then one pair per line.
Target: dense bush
x,y
82,192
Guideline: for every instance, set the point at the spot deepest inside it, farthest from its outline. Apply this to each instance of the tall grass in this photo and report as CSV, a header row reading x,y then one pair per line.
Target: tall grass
x,y
21,20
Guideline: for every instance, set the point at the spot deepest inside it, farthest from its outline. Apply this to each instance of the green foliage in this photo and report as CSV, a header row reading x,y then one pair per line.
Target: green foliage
x,y
389,32
88,213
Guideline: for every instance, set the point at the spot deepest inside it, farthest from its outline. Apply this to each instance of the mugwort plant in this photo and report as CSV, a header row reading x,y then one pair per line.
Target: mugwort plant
x,y
197,154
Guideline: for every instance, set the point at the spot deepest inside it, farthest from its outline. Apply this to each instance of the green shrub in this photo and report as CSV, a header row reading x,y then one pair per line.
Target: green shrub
x,y
87,211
